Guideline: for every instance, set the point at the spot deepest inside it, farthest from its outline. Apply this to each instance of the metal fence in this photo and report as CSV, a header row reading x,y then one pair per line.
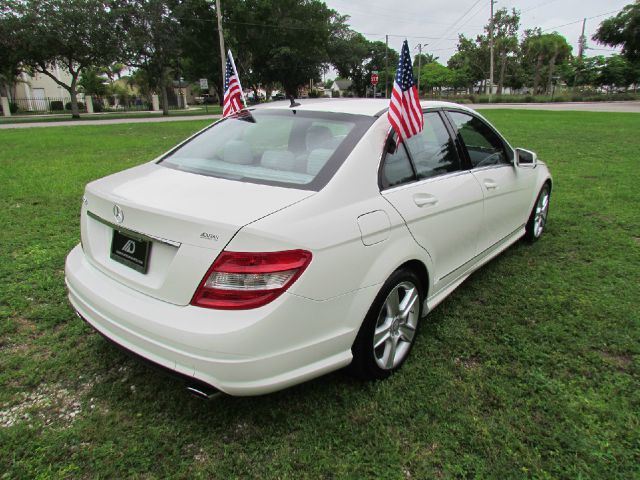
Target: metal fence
x,y
43,105
101,104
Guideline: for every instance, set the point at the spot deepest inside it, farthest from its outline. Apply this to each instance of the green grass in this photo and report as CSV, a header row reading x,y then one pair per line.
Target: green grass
x,y
194,112
530,369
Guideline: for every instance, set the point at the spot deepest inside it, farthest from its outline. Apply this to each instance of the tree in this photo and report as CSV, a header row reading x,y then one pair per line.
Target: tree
x,y
10,58
423,59
623,30
505,34
471,62
152,41
435,76
69,34
93,81
355,57
617,72
200,51
280,41
542,52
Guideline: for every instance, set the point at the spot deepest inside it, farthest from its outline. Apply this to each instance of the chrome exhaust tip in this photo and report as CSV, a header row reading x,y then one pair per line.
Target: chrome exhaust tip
x,y
203,393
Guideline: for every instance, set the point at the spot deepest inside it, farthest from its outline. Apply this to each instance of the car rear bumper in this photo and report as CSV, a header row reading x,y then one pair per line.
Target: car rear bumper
x,y
248,352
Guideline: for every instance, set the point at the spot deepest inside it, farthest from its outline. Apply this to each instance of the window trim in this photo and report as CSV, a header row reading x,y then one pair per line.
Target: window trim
x,y
508,149
392,135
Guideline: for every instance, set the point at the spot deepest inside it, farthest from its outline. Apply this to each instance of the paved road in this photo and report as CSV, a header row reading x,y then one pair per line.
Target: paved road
x,y
112,121
573,106
584,107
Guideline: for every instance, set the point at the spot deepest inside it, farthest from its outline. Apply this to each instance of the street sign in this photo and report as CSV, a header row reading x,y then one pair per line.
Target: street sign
x,y
204,84
374,78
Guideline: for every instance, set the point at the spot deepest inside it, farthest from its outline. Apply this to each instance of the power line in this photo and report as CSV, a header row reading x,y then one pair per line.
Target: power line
x,y
454,24
578,21
538,6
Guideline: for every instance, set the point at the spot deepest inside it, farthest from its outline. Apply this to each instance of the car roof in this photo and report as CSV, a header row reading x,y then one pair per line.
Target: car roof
x,y
357,106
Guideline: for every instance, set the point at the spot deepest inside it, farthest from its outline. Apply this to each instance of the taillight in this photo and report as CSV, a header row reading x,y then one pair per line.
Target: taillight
x,y
244,280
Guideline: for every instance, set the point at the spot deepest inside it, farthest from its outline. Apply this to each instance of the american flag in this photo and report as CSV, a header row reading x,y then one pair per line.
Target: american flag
x,y
233,97
405,112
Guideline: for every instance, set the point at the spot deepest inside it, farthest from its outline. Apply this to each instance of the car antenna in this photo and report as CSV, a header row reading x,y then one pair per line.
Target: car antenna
x,y
293,102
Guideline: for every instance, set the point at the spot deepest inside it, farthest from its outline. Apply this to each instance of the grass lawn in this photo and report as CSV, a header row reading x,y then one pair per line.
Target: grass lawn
x,y
531,369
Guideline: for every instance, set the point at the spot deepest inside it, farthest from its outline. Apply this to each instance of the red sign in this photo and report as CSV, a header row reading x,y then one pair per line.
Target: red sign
x,y
374,79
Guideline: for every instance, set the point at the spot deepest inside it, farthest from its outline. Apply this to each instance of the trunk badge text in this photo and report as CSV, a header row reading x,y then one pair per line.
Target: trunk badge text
x,y
118,214
209,236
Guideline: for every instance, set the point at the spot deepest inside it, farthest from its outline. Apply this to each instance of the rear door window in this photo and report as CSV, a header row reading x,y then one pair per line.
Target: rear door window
x,y
396,167
432,150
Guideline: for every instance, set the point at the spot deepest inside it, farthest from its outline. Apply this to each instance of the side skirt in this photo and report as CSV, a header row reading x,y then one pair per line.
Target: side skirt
x,y
462,273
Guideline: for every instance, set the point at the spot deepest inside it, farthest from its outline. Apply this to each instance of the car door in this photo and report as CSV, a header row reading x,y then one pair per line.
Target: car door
x,y
440,200
505,188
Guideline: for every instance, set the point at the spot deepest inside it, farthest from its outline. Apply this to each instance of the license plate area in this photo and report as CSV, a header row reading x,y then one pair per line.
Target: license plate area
x,y
130,250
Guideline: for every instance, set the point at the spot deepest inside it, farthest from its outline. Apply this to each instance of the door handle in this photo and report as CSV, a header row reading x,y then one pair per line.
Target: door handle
x,y
489,185
424,199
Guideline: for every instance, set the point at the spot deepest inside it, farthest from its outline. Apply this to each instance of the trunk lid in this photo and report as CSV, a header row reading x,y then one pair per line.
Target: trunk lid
x,y
185,219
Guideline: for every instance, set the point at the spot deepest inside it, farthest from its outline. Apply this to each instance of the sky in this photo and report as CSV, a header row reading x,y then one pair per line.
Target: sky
x,y
437,23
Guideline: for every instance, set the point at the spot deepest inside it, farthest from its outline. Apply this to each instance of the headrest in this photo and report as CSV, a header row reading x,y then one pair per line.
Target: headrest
x,y
317,135
237,151
317,159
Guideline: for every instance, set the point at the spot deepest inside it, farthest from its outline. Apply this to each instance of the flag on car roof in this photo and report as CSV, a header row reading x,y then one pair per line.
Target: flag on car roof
x,y
405,112
233,97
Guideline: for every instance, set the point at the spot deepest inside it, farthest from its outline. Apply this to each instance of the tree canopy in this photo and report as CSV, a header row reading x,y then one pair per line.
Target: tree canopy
x,y
623,30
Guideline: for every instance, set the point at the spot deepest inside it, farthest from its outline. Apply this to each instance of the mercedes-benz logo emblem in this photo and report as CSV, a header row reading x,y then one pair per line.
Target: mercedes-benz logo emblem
x,y
118,213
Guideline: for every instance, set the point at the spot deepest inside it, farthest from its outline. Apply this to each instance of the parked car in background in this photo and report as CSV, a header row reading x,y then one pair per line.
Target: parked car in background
x,y
283,243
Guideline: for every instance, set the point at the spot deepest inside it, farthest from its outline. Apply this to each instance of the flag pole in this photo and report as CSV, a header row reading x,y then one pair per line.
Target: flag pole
x,y
233,64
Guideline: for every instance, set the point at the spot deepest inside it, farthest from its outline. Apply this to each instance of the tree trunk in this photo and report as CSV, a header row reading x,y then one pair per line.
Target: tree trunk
x,y
503,68
73,91
536,78
552,64
165,101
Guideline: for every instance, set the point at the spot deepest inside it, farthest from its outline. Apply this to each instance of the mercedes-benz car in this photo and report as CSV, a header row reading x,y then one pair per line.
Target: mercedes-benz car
x,y
285,242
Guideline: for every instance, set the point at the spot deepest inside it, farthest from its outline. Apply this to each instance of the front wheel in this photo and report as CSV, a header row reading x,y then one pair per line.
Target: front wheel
x,y
389,329
538,218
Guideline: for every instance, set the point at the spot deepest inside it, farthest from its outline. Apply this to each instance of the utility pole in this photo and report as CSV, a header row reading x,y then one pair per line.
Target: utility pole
x,y
419,66
223,59
582,46
491,51
386,67
582,42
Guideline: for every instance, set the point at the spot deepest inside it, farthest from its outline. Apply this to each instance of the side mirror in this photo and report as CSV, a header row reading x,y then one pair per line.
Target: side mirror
x,y
525,158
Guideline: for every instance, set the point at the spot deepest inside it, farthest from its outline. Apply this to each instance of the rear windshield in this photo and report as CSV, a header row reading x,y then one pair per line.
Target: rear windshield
x,y
276,147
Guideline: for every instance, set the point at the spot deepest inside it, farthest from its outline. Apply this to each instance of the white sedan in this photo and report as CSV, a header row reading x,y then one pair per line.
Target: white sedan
x,y
286,242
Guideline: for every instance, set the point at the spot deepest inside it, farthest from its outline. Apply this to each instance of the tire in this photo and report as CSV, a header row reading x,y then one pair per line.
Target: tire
x,y
538,217
396,326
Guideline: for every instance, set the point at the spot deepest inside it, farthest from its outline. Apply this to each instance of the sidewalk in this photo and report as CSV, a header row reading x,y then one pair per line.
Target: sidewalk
x,y
113,121
627,106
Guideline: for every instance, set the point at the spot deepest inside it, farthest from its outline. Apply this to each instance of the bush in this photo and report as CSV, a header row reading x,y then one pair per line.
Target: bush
x,y
314,93
335,93
56,105
13,107
529,98
97,105
68,106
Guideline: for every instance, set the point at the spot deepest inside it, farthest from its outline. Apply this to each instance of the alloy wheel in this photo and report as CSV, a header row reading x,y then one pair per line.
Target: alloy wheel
x,y
396,325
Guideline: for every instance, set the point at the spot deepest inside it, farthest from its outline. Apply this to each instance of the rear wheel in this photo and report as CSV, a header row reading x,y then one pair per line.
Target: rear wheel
x,y
389,329
538,218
